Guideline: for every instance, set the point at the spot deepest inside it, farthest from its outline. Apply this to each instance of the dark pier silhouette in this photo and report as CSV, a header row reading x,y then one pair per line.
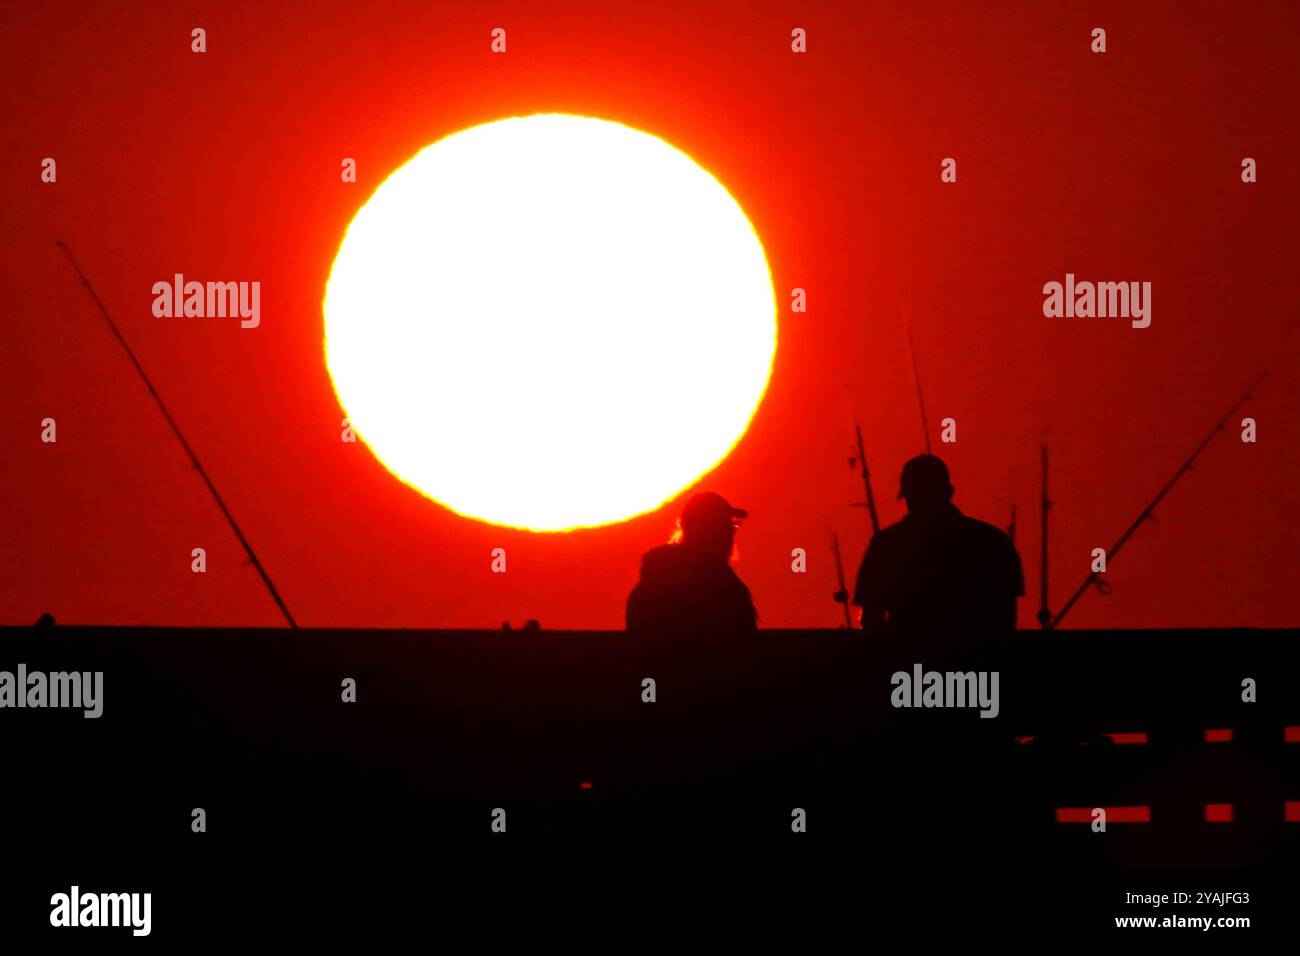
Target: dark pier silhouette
x,y
250,725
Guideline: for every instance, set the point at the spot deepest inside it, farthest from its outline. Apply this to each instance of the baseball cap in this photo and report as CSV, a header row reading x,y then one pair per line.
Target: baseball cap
x,y
710,508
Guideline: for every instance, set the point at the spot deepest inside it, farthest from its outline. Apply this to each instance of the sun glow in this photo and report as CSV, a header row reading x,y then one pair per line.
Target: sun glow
x,y
550,322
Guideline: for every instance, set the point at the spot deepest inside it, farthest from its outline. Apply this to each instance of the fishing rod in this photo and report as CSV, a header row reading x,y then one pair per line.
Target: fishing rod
x,y
248,548
1186,466
1045,504
861,462
916,374
842,595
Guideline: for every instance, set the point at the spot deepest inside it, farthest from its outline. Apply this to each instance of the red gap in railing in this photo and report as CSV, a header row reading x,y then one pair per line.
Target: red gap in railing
x,y
1291,735
1138,738
1291,811
1113,814
1218,813
1218,736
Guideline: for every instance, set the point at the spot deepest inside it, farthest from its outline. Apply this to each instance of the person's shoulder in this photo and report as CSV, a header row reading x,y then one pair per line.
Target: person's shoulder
x,y
990,535
891,534
662,556
672,562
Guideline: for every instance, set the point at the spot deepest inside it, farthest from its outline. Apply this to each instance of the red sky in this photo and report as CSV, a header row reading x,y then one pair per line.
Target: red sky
x,y
1121,166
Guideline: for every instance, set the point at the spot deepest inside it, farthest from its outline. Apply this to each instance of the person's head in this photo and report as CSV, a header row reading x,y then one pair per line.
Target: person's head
x,y
709,523
925,484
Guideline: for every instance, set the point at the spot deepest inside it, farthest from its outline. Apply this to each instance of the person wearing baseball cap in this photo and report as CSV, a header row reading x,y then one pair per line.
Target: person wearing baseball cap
x,y
688,586
938,572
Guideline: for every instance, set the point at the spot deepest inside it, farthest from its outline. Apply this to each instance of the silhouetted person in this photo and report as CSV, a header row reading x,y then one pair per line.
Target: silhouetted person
x,y
937,571
689,586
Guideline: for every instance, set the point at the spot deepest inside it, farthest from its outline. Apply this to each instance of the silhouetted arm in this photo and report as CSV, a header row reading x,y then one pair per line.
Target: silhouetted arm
x,y
869,593
638,613
1015,574
748,613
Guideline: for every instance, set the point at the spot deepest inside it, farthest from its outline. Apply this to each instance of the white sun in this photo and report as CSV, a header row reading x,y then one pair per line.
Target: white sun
x,y
550,322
